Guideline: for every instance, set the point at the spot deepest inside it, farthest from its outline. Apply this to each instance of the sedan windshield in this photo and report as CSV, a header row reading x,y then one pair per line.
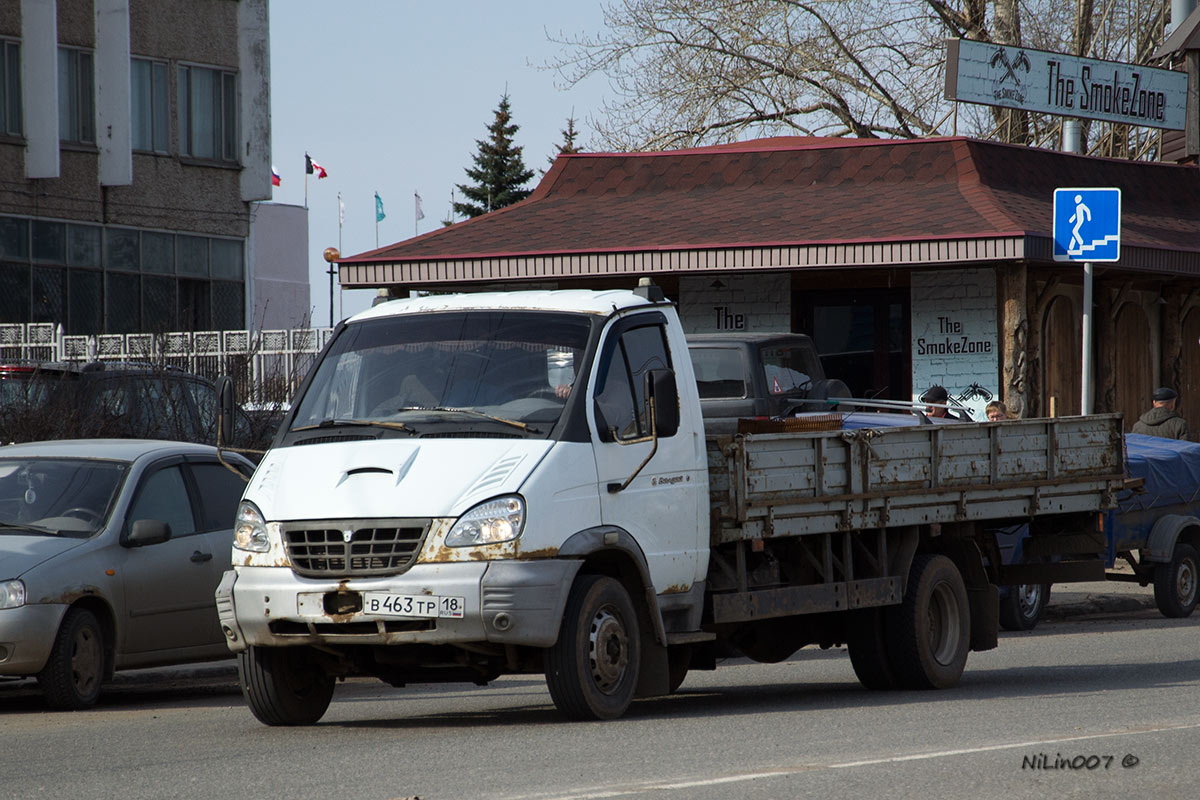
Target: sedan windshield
x,y
511,370
71,497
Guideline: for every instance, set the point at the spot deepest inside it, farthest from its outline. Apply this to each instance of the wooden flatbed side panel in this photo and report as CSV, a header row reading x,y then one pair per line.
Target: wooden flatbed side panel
x,y
802,483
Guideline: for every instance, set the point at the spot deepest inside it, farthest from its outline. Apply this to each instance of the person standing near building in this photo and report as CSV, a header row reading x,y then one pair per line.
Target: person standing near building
x,y
937,397
1162,420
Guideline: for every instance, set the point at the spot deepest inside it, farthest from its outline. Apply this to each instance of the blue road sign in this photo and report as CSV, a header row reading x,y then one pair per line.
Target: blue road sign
x,y
1087,224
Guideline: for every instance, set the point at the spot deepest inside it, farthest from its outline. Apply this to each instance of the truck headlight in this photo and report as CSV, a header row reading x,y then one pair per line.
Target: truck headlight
x,y
12,594
498,520
250,530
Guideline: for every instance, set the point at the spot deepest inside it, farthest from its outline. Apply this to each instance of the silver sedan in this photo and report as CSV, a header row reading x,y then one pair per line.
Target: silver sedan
x,y
110,551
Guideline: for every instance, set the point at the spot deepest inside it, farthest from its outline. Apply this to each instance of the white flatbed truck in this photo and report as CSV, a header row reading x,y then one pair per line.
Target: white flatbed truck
x,y
468,486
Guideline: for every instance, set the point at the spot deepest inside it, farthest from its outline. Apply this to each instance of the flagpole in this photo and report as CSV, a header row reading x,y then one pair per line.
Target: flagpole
x,y
376,220
341,216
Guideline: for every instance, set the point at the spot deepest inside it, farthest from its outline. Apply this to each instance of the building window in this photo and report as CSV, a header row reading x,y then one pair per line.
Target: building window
x,y
10,88
76,97
149,105
208,113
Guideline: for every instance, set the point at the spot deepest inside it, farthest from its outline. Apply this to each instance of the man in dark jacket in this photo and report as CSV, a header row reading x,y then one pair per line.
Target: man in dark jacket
x,y
1162,420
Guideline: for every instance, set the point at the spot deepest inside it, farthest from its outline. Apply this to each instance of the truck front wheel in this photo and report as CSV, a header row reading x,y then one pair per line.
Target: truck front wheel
x,y
1175,582
283,685
592,670
929,633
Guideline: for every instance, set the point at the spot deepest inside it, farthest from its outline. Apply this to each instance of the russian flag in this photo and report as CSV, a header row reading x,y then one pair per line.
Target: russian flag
x,y
274,176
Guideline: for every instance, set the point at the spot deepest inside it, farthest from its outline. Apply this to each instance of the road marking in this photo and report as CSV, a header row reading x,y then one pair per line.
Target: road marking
x,y
659,786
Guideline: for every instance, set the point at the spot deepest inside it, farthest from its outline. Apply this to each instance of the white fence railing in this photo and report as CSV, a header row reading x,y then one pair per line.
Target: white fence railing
x,y
268,365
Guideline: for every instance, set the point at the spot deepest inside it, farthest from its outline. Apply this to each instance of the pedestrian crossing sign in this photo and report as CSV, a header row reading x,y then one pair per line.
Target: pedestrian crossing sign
x,y
1087,224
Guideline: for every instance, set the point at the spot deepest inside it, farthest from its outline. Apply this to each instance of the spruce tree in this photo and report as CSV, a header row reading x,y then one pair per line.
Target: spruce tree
x,y
499,172
570,133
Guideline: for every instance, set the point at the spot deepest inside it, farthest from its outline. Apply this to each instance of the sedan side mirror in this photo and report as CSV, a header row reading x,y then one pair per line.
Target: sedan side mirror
x,y
147,531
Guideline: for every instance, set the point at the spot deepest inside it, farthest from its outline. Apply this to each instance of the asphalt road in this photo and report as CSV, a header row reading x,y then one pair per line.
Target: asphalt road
x,y
1094,703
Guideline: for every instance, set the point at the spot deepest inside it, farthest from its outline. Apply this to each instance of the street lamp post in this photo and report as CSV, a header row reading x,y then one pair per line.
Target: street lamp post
x,y
331,255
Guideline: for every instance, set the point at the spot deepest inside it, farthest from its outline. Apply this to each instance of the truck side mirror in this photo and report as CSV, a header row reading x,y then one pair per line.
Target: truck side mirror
x,y
660,386
225,410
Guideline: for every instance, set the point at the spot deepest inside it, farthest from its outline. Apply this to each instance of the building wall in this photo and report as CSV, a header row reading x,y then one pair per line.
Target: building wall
x,y
165,199
756,302
954,340
280,294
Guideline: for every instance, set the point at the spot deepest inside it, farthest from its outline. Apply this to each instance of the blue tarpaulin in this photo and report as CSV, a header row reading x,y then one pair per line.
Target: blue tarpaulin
x,y
1170,470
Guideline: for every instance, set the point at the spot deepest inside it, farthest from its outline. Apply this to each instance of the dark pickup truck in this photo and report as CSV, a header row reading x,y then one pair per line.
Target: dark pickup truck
x,y
742,375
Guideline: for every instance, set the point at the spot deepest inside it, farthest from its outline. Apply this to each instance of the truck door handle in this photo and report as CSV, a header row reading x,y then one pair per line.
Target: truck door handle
x,y
200,558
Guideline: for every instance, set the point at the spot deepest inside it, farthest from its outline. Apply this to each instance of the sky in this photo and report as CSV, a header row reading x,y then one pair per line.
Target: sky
x,y
390,96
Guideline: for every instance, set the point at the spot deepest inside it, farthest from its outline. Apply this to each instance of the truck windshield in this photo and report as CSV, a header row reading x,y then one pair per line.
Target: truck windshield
x,y
427,369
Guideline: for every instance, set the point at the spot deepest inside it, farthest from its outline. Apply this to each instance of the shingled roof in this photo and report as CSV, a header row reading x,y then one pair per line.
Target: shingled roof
x,y
790,203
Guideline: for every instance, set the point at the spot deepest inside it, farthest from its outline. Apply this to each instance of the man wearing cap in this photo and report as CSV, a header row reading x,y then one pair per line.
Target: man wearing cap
x,y
1162,420
938,395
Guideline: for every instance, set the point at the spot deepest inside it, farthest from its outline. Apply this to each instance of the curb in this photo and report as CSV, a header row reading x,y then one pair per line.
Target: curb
x,y
1084,604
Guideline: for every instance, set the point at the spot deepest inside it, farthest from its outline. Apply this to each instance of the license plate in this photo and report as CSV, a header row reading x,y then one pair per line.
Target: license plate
x,y
413,605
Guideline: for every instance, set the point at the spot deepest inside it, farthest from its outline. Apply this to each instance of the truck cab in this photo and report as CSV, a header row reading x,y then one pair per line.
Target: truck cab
x,y
460,474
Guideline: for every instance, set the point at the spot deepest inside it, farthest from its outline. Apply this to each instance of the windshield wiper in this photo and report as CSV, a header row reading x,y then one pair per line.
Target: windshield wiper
x,y
472,412
370,423
10,526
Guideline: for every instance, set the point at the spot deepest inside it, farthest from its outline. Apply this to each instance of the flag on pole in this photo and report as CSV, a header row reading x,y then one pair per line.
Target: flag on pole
x,y
379,215
275,179
312,167
420,213
341,210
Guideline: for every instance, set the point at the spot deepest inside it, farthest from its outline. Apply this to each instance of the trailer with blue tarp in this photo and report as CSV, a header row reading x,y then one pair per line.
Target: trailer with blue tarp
x,y
1155,527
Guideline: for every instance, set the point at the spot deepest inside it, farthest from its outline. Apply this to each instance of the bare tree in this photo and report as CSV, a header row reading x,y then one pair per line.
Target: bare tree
x,y
689,72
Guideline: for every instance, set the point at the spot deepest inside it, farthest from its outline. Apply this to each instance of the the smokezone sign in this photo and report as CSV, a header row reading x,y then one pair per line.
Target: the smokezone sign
x,y
1054,83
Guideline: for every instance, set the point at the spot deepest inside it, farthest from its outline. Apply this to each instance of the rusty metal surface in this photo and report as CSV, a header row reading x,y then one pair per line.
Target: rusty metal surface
x,y
802,483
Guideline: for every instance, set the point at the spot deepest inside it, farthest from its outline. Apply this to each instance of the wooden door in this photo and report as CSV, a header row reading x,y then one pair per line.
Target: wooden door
x,y
1062,364
1133,371
1189,388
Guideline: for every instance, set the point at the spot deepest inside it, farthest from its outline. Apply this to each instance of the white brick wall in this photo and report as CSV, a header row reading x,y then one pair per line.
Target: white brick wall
x,y
954,340
751,303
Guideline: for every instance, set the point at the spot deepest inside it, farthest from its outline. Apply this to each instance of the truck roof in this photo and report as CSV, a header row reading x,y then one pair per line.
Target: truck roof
x,y
576,300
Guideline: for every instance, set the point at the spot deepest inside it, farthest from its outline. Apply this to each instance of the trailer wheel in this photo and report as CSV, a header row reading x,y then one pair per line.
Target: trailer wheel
x,y
283,686
74,672
592,670
866,641
929,634
1021,607
1175,582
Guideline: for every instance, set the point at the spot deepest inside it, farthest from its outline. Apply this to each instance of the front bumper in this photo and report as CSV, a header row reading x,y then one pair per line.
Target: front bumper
x,y
27,635
506,602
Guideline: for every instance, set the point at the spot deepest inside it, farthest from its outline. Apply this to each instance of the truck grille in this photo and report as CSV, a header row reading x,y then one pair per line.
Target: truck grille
x,y
373,547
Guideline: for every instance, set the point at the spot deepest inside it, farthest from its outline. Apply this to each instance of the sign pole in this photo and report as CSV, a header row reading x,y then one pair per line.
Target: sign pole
x,y
1085,401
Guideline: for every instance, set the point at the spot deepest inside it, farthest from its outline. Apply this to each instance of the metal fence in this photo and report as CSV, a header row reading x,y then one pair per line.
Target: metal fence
x,y
266,365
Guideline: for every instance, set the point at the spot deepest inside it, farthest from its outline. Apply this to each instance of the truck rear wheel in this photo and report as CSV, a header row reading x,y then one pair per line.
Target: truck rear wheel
x,y
929,634
283,686
592,670
866,641
1175,582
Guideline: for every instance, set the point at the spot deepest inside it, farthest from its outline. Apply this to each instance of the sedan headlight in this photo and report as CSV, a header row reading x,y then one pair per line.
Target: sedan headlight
x,y
250,530
12,594
499,520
